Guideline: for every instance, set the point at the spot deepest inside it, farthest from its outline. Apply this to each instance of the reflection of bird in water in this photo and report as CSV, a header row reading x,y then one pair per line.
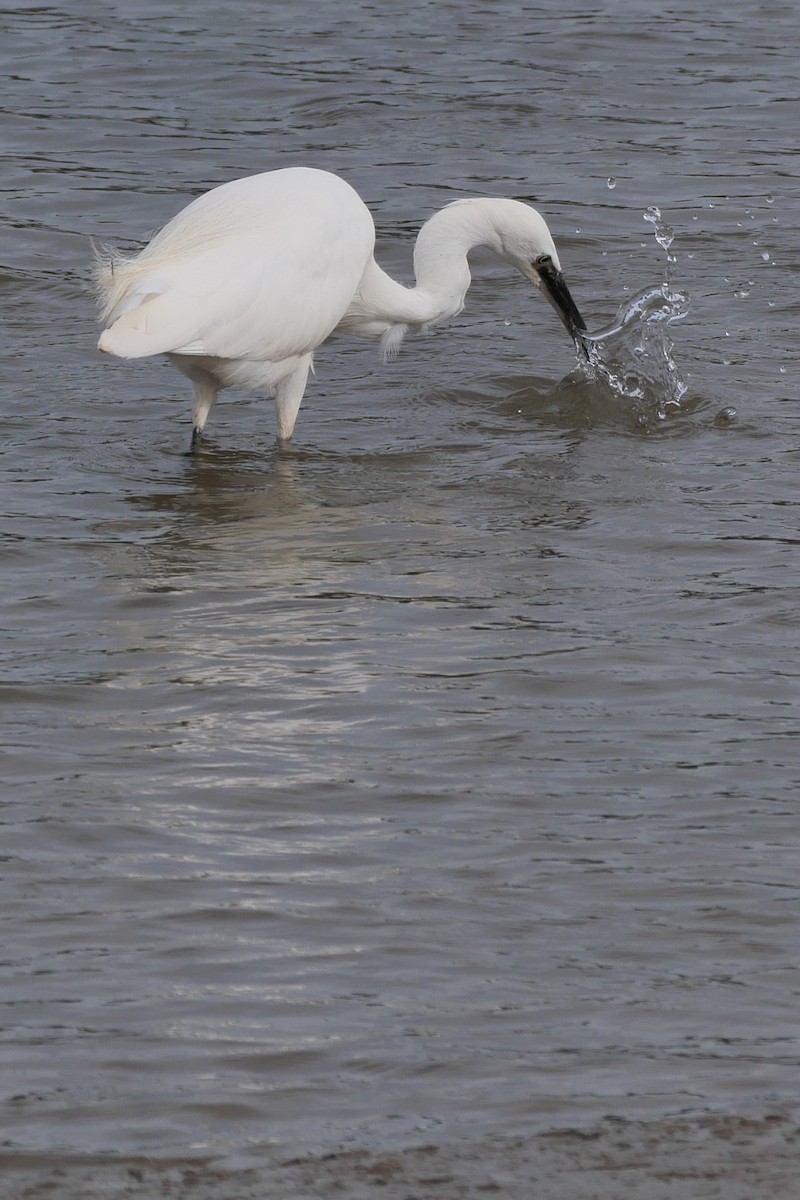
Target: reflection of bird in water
x,y
243,285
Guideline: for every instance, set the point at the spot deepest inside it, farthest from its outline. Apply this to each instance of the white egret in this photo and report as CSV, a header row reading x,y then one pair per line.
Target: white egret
x,y
243,285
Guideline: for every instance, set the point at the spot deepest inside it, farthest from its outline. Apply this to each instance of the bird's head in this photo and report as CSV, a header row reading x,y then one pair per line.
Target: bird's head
x,y
525,241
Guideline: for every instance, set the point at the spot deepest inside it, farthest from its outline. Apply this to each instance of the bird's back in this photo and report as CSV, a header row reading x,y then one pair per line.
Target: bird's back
x,y
262,267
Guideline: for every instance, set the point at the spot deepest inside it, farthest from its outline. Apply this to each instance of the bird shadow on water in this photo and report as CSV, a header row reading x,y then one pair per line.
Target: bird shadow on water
x,y
224,490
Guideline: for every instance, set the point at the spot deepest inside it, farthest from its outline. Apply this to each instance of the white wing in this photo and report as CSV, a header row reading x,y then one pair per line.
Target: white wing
x,y
262,269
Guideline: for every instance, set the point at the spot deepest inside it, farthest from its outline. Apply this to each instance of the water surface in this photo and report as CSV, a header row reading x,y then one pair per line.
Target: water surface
x,y
443,776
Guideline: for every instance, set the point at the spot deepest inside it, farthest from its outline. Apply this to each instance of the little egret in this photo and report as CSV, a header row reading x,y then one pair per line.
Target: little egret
x,y
243,285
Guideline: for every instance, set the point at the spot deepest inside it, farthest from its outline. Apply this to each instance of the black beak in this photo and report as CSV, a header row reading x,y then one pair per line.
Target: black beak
x,y
555,289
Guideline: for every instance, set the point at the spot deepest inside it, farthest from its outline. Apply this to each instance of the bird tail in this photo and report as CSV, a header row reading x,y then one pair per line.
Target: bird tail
x,y
106,281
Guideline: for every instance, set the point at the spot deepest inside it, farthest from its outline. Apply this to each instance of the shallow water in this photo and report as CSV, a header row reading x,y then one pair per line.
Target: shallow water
x,y
633,357
442,776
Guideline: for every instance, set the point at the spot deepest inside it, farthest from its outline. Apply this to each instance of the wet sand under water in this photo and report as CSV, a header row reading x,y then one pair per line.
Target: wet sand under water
x,y
725,1155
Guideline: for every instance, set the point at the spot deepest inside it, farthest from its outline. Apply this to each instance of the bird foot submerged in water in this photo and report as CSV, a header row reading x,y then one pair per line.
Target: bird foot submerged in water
x,y
195,442
198,442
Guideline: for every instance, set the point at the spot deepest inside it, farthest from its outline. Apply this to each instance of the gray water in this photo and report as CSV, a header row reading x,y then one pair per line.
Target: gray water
x,y
442,776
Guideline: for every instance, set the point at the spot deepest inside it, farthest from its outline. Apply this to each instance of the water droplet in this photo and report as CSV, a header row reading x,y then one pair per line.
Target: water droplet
x,y
725,416
782,370
765,256
611,182
770,199
742,291
507,321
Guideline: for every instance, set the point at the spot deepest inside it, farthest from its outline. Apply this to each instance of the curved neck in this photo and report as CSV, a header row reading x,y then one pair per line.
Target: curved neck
x,y
440,268
440,254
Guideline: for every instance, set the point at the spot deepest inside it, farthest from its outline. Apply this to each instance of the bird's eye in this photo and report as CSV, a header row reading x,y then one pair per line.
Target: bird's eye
x,y
544,260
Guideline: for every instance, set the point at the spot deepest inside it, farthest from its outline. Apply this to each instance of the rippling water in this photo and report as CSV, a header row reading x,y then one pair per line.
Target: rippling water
x,y
443,775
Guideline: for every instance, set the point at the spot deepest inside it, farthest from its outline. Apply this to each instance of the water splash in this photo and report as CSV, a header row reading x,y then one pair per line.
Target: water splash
x,y
634,354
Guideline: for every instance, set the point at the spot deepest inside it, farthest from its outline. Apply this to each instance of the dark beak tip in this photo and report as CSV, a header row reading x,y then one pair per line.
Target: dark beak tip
x,y
555,288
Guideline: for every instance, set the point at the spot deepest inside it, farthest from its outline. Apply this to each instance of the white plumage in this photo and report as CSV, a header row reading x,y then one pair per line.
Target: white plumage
x,y
242,285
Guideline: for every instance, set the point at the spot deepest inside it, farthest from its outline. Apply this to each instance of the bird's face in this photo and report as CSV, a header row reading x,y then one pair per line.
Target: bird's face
x,y
546,273
527,243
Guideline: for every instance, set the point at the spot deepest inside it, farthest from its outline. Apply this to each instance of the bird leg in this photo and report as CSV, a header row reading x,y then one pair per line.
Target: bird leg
x,y
205,393
288,397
